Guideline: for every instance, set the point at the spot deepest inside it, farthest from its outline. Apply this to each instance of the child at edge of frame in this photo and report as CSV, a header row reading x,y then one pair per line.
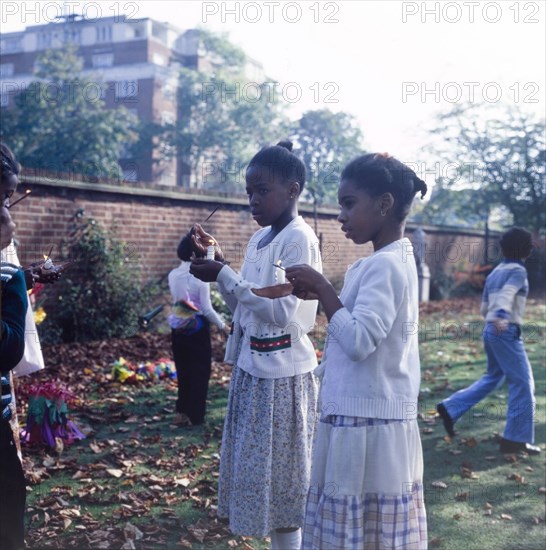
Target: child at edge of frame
x,y
14,303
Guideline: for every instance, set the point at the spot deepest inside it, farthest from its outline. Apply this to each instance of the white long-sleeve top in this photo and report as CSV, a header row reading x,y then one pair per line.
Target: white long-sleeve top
x,y
274,332
184,286
371,362
505,293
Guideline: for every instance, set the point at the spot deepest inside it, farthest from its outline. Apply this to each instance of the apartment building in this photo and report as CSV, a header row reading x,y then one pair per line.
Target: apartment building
x,y
138,60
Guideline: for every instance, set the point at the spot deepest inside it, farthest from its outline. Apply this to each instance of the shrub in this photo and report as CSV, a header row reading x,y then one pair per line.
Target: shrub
x,y
99,295
219,305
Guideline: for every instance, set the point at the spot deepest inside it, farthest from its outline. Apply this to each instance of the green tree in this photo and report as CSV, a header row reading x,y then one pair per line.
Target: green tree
x,y
223,118
497,160
59,123
326,142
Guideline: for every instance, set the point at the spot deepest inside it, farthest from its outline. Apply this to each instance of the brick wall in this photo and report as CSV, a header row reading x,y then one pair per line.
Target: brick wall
x,y
151,223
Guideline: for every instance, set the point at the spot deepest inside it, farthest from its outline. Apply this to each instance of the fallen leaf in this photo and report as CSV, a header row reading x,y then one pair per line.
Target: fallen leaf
x,y
114,472
506,517
516,477
95,447
131,532
198,534
439,485
184,482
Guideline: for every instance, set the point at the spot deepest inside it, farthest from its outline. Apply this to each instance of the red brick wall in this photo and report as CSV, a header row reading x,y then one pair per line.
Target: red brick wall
x,y
151,226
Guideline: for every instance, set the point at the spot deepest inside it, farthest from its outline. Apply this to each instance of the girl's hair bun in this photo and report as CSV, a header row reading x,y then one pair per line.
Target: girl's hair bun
x,y
419,186
286,144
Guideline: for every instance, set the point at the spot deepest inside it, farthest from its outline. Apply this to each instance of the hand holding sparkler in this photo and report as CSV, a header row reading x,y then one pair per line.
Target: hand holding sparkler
x,y
202,240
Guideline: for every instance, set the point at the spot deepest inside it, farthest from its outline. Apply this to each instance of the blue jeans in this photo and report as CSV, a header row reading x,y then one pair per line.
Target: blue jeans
x,y
506,357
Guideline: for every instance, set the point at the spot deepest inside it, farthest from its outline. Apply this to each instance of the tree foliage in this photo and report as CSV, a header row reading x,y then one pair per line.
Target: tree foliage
x,y
223,119
59,122
497,160
326,141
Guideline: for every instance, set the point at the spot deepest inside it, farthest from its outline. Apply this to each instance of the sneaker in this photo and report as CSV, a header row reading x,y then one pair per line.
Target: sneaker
x,y
448,421
508,446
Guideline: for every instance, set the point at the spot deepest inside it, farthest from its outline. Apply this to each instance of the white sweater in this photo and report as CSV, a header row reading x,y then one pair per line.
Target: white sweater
x,y
269,337
371,363
184,286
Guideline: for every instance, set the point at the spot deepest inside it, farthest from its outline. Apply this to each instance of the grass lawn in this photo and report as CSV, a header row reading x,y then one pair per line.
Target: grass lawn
x,y
140,482
477,497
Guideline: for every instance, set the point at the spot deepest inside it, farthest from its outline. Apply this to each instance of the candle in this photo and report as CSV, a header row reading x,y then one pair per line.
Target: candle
x,y
280,273
211,250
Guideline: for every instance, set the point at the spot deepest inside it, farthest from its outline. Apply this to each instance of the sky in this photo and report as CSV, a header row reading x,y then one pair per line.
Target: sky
x,y
394,65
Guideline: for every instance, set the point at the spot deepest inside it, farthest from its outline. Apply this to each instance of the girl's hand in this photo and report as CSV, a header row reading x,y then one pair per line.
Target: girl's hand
x,y
201,240
205,270
307,282
303,294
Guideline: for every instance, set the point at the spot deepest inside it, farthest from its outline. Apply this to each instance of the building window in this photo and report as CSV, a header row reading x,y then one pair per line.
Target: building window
x,y
130,172
104,33
4,99
127,89
6,69
44,40
10,45
72,35
103,59
158,59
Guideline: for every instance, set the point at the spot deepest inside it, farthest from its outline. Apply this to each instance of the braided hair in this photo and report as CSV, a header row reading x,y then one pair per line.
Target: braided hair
x,y
378,173
281,162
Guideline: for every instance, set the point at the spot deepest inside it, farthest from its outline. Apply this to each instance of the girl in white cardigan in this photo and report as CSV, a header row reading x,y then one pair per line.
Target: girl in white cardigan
x,y
267,441
366,481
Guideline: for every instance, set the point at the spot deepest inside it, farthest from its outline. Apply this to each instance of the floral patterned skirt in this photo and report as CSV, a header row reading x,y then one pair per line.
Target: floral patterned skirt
x,y
366,486
266,450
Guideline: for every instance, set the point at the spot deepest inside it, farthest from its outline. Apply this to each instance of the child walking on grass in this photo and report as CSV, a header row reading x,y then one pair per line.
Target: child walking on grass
x,y
503,305
268,431
366,482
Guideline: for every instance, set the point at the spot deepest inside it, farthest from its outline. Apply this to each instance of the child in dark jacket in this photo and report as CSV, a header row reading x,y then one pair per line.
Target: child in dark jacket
x,y
14,304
